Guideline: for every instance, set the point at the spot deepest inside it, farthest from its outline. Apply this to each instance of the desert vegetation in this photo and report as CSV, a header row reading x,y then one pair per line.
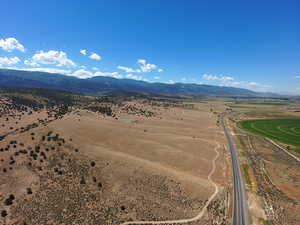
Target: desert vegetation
x,y
49,173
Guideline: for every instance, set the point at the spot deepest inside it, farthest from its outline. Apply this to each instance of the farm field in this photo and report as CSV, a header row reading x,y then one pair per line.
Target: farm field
x,y
286,131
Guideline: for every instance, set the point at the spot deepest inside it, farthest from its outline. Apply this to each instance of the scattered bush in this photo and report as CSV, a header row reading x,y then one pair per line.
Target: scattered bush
x,y
82,181
29,191
8,201
4,213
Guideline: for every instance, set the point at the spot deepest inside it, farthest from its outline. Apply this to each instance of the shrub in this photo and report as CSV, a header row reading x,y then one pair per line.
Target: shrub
x,y
29,191
8,201
4,213
82,181
12,197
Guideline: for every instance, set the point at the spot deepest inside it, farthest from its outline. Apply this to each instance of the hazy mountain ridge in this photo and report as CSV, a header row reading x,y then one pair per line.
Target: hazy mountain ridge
x,y
100,84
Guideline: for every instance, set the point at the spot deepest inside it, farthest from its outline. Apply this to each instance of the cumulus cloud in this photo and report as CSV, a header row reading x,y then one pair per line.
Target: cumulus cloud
x,y
83,51
171,82
129,70
143,67
109,74
231,82
82,73
95,56
157,77
216,77
146,67
47,70
160,70
10,44
95,68
136,77
58,58
30,63
246,84
9,61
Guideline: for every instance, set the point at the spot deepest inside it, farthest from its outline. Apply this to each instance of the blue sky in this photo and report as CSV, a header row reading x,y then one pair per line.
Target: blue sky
x,y
249,44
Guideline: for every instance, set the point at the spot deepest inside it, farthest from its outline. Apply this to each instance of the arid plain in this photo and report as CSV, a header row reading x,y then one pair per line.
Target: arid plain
x,y
150,161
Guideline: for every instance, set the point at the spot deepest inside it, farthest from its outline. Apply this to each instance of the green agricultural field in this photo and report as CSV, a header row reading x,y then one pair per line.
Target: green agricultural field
x,y
262,102
286,131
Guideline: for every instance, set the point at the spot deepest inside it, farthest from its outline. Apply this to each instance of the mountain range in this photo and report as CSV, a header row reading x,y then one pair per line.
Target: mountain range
x,y
103,85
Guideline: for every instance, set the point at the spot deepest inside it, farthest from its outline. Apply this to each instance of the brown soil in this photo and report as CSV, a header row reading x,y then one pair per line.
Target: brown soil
x,y
146,168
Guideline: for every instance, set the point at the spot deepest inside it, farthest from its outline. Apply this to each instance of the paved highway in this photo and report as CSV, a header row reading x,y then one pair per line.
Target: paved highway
x,y
240,214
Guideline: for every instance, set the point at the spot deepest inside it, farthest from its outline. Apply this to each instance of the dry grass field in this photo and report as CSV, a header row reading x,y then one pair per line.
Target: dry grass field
x,y
147,160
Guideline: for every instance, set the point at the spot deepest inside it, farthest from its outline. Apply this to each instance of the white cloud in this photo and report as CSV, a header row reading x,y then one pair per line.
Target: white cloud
x,y
171,82
231,82
141,61
157,77
47,70
129,70
81,73
136,77
83,51
30,63
95,68
95,56
246,84
58,58
10,44
143,67
109,74
216,77
146,67
160,70
9,61
297,77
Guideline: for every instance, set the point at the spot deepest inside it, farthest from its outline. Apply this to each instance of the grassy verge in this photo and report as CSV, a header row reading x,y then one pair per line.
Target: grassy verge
x,y
246,174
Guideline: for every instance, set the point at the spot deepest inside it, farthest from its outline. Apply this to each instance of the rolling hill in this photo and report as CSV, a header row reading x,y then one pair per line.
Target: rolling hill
x,y
102,85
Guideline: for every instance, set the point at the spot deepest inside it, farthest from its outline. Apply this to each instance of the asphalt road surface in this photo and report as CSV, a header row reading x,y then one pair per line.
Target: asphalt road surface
x,y
240,214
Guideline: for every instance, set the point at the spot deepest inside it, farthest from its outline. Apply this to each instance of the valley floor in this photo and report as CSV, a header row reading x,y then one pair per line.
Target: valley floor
x,y
87,168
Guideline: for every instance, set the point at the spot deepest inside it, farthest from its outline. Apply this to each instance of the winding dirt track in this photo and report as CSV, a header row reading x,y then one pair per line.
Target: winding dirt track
x,y
201,213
